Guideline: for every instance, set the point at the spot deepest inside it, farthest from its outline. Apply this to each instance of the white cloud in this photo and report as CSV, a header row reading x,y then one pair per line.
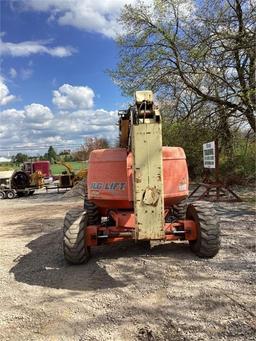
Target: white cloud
x,y
13,72
90,15
12,114
26,73
19,122
99,16
62,129
87,122
5,96
37,113
27,48
73,97
37,124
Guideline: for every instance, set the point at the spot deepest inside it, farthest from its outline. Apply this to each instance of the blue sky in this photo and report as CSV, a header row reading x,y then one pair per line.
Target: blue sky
x,y
54,88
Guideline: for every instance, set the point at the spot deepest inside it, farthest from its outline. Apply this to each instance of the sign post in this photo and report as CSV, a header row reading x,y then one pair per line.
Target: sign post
x,y
211,162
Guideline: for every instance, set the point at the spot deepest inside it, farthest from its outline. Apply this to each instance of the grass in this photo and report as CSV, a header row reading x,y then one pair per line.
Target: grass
x,y
76,166
55,168
7,166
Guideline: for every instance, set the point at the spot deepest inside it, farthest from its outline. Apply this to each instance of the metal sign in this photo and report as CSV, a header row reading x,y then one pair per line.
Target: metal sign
x,y
209,155
213,187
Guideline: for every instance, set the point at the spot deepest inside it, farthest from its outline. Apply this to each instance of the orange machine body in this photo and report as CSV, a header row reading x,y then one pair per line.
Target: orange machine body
x,y
136,192
110,178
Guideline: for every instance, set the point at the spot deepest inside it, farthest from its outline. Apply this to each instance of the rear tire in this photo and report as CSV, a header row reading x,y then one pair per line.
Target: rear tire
x,y
74,233
207,244
92,213
180,209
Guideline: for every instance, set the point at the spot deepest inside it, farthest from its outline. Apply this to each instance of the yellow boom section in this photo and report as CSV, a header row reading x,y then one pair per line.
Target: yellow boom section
x,y
148,169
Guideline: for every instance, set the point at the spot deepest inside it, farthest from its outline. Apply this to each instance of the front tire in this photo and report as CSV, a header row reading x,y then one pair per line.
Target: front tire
x,y
207,244
74,233
92,213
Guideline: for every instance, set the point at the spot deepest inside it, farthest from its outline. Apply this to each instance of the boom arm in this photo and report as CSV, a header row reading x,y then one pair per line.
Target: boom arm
x,y
141,133
139,113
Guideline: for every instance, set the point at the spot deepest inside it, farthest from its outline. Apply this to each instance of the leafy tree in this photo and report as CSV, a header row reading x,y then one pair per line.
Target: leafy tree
x,y
20,158
197,57
237,166
51,154
185,134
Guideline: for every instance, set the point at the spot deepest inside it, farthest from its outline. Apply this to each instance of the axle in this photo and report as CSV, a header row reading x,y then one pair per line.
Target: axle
x,y
180,230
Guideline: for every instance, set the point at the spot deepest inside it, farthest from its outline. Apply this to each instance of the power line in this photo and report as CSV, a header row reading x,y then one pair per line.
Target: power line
x,y
35,147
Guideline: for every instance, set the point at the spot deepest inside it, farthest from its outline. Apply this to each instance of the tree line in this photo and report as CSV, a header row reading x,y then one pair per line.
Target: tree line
x,y
199,59
81,154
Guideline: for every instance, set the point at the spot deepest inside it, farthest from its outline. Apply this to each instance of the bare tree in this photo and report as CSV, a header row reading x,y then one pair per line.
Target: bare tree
x,y
91,143
198,58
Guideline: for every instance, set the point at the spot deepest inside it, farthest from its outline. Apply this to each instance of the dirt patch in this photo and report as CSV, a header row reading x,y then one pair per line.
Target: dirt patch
x,y
124,292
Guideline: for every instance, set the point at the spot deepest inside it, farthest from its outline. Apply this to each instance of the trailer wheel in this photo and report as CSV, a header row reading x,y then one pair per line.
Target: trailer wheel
x,y
179,210
207,244
92,213
10,194
2,195
74,231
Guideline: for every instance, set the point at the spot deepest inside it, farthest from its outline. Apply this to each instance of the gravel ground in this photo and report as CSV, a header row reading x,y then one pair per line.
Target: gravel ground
x,y
124,292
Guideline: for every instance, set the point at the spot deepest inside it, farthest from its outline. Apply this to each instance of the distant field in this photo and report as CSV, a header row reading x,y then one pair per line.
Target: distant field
x,y
4,166
55,168
58,169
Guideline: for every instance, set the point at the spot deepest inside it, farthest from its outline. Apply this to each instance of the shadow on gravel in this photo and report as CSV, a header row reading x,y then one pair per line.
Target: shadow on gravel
x,y
233,212
45,266
30,227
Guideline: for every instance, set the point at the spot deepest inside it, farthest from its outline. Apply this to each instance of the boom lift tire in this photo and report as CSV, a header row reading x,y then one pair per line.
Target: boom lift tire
x,y
207,243
180,209
74,232
92,213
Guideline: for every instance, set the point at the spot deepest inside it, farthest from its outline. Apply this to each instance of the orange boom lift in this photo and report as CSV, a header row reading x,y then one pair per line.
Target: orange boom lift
x,y
138,192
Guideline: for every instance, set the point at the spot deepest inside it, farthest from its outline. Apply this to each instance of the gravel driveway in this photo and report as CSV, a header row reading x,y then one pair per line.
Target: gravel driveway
x,y
124,292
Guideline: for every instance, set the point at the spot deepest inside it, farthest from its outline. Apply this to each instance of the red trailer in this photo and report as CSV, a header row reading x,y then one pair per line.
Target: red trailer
x,y
42,166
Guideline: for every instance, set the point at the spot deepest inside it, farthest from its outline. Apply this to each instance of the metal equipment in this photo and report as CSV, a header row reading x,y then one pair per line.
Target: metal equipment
x,y
31,167
70,178
22,184
214,188
138,192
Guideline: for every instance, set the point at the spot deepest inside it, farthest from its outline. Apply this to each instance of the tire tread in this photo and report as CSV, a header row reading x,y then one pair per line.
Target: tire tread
x,y
74,230
208,243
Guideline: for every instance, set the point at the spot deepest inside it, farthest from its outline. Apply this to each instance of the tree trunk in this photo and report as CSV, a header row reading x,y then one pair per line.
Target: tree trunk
x,y
249,113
